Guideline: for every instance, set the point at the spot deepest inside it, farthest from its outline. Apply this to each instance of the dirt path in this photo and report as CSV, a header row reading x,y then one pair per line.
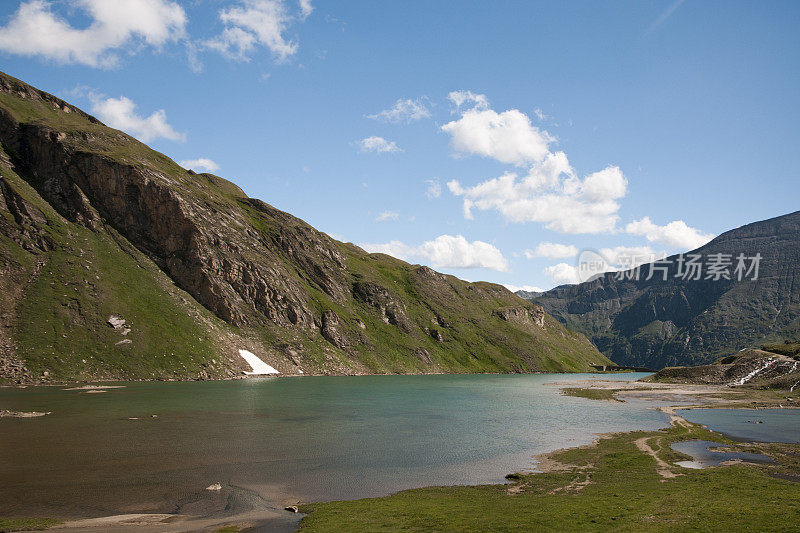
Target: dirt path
x,y
662,467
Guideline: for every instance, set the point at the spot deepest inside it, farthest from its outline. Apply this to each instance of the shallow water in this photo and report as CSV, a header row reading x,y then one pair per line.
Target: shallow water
x,y
287,439
762,425
702,457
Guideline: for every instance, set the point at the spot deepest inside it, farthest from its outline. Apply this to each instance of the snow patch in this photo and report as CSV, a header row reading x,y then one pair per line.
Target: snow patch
x,y
771,361
259,367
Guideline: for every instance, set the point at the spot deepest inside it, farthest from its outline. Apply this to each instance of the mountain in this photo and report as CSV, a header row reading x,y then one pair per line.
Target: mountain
x,y
116,263
528,295
673,322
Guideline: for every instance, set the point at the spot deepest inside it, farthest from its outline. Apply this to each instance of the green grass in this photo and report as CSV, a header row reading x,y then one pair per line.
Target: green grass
x,y
609,486
591,394
785,348
90,274
26,524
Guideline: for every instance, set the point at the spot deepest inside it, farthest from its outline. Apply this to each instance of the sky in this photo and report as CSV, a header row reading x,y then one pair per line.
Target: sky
x,y
490,140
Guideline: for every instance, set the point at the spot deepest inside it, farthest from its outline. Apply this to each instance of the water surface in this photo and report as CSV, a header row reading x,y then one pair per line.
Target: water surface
x,y
287,439
702,457
754,425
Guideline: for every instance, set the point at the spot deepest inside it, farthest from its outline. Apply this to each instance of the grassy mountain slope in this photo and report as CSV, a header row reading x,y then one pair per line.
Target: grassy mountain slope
x,y
676,322
95,224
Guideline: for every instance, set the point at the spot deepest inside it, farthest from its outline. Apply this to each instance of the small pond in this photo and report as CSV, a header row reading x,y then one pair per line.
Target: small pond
x,y
703,457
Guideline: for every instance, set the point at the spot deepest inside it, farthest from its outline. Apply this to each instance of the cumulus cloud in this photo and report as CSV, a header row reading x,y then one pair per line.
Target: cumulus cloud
x,y
563,273
468,99
378,145
552,195
676,234
552,250
201,164
387,215
404,110
35,30
549,192
254,23
434,189
120,113
446,251
508,137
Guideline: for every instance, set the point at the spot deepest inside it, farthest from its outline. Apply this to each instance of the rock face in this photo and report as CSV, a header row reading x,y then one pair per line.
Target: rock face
x,y
94,224
657,323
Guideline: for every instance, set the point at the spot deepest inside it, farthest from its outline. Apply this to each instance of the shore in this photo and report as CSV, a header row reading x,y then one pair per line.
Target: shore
x,y
621,481
582,465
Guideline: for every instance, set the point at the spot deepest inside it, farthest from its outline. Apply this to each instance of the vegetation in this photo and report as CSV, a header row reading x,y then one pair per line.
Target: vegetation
x,y
785,348
199,270
26,524
612,485
592,394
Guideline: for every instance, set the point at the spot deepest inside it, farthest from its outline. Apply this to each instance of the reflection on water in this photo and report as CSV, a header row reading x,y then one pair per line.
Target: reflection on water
x,y
703,457
761,425
287,439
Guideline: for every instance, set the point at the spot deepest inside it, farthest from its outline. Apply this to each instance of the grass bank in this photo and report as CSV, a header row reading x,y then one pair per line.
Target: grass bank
x,y
625,482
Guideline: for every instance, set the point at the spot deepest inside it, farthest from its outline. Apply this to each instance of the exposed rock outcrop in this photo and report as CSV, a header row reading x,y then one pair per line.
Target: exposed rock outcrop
x,y
215,272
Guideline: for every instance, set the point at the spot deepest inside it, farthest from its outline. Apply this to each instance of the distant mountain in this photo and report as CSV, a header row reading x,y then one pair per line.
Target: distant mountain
x,y
116,263
528,295
657,323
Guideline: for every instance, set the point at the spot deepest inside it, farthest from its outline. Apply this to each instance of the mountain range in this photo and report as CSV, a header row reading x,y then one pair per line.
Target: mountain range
x,y
117,263
673,319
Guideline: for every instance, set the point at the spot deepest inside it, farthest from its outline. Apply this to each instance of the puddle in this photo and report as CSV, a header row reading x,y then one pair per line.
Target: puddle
x,y
702,457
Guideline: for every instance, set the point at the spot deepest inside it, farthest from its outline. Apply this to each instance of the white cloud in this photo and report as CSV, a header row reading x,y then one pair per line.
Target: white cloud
x,y
552,250
526,288
387,215
254,23
446,251
305,9
552,195
434,189
203,164
120,113
550,192
563,273
396,249
403,111
462,98
35,30
623,257
508,137
676,234
378,145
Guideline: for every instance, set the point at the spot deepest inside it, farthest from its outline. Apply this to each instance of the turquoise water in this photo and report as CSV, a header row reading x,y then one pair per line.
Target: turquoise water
x,y
288,439
762,425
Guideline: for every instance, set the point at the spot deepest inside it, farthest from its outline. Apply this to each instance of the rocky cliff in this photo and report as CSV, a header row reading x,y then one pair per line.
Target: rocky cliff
x,y
661,322
96,227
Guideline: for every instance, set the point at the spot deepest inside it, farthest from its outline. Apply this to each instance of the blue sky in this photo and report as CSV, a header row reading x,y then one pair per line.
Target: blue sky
x,y
640,127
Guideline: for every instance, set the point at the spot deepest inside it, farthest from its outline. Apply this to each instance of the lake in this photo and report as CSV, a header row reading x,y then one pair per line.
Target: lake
x,y
762,425
287,439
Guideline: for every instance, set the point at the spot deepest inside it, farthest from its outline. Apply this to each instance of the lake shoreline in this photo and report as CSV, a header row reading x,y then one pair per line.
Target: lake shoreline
x,y
576,469
546,462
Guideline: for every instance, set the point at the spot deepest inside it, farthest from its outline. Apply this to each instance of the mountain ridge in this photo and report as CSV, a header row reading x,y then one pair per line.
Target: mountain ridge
x,y
96,224
677,322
